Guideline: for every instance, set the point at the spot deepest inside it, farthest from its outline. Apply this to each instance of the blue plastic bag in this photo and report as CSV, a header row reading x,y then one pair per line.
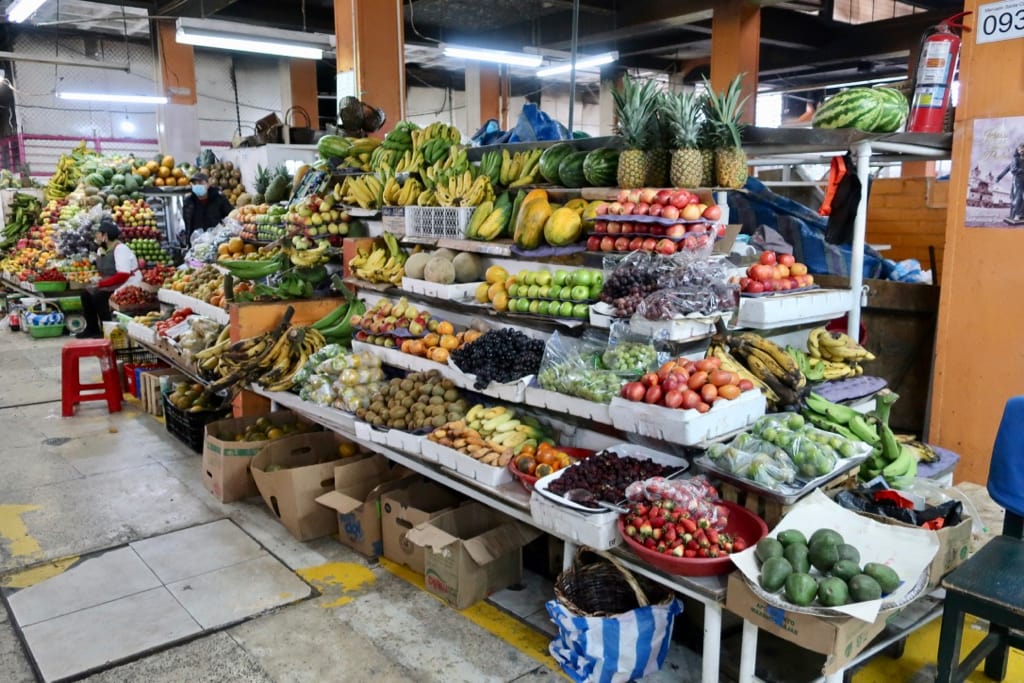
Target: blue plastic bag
x,y
534,125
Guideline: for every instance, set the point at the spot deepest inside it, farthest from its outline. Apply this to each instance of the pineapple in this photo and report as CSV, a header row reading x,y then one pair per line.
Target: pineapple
x,y
636,105
724,111
684,118
261,184
658,158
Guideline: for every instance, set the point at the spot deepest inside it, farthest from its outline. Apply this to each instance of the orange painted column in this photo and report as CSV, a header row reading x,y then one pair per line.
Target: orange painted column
x,y
303,92
979,349
483,95
736,48
178,120
371,61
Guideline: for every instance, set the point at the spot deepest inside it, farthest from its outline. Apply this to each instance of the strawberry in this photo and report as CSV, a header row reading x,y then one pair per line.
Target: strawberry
x,y
658,522
641,509
668,504
650,543
739,545
670,533
631,531
692,544
689,553
661,548
703,552
704,523
689,525
712,552
646,529
687,538
712,536
678,551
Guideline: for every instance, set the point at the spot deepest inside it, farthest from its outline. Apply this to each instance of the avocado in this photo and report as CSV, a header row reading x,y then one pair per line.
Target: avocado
x,y
801,589
845,569
863,588
774,573
796,553
888,579
791,536
766,548
823,556
848,552
832,592
830,535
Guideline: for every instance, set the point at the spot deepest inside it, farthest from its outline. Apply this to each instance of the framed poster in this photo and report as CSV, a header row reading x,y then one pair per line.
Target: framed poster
x,y
995,184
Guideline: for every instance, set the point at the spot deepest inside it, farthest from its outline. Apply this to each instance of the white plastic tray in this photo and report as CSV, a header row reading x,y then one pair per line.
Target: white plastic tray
x,y
141,333
681,330
688,427
567,405
596,530
490,475
779,310
460,292
398,359
513,392
170,296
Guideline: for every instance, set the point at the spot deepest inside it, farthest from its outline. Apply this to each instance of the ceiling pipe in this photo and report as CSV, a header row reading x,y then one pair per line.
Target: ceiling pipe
x,y
15,57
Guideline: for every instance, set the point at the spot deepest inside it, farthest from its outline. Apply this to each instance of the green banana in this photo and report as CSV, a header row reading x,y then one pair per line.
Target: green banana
x,y
823,423
863,431
901,465
834,411
883,404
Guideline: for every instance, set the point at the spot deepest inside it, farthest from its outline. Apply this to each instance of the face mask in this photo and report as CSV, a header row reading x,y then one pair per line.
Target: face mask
x,y
199,190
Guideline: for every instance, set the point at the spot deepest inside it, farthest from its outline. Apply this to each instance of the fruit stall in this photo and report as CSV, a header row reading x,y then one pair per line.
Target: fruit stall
x,y
560,333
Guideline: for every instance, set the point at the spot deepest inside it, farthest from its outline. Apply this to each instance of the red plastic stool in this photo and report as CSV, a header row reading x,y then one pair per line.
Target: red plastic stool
x,y
73,391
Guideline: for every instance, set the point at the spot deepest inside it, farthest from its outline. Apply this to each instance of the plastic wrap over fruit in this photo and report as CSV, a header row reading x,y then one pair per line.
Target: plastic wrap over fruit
x,y
572,366
756,460
696,496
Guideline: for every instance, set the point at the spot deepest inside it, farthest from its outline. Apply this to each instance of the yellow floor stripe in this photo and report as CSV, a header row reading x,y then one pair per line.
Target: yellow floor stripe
x,y
923,649
31,577
525,638
14,531
348,576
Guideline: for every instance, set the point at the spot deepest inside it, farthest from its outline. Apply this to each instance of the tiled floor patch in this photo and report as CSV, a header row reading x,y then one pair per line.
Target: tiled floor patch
x,y
148,595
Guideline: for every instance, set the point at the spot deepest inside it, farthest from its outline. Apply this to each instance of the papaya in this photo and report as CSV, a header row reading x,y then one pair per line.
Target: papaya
x,y
535,194
530,223
563,227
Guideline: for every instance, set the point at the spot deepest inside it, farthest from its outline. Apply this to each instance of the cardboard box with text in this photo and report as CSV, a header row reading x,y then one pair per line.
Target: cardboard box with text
x,y
405,508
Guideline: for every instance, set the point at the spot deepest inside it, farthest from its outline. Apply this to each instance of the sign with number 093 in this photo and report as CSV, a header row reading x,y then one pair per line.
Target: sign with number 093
x,y
1000,21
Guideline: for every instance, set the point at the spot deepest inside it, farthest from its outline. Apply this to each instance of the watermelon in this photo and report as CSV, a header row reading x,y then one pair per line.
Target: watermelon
x,y
872,110
95,180
130,183
570,171
333,147
600,167
550,161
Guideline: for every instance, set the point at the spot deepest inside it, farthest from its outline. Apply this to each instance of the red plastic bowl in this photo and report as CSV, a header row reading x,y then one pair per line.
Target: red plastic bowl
x,y
742,524
528,480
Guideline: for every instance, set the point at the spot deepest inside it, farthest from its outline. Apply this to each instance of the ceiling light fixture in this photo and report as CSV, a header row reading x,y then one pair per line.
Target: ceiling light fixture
x,y
225,35
480,54
584,63
20,10
111,97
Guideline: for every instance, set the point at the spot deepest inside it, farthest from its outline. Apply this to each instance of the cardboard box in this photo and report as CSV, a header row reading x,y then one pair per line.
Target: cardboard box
x,y
226,461
954,546
402,510
471,552
309,461
840,639
359,484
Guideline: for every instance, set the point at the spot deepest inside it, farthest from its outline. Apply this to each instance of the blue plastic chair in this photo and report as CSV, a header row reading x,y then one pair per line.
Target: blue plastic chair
x,y
990,584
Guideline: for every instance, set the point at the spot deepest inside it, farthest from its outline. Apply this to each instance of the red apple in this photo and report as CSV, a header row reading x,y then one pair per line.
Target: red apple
x,y
608,244
650,379
712,213
636,244
680,198
676,231
697,228
783,271
653,394
615,208
614,227
601,209
690,399
655,210
673,398
694,199
760,273
670,212
665,246
648,195
657,230
593,243
720,230
744,282
768,258
670,383
663,197
649,244
633,391
622,196
601,227
622,244
798,269
628,228
786,259
628,208
690,212
633,196
642,209
689,243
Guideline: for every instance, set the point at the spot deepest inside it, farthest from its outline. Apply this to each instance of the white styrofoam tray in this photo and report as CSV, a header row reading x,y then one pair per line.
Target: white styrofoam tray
x,y
601,315
681,330
140,332
688,427
513,392
490,475
783,309
404,441
568,405
398,359
170,296
459,292
598,531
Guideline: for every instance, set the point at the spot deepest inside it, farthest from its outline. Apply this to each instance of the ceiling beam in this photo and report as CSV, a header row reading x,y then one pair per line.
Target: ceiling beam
x,y
200,9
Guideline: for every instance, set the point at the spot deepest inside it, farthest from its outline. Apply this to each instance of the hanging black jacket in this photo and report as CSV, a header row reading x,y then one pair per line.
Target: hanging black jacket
x,y
200,215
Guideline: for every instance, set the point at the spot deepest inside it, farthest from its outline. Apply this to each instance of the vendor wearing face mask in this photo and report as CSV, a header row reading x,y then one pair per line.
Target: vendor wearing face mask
x,y
204,207
117,266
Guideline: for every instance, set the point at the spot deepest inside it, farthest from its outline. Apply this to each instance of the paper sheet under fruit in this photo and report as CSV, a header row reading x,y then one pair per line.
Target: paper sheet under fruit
x,y
908,551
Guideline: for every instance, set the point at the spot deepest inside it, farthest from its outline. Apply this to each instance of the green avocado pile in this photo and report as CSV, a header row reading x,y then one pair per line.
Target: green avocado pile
x,y
786,562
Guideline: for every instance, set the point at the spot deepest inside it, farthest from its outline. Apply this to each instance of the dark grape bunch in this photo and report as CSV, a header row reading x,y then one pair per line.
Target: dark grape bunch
x,y
500,356
606,476
627,286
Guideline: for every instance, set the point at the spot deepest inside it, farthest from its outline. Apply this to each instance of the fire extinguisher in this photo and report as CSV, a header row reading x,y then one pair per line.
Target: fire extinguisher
x,y
936,68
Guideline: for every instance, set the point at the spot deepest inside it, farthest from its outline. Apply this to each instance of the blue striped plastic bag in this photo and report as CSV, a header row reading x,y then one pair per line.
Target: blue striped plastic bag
x,y
612,649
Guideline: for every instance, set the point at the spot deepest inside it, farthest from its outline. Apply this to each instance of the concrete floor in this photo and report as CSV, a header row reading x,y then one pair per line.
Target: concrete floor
x,y
73,487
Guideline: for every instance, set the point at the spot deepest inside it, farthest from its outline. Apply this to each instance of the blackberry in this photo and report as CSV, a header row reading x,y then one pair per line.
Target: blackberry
x,y
500,356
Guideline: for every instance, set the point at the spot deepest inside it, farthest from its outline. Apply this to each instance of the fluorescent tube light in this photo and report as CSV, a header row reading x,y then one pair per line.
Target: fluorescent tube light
x,y
585,63
223,41
20,10
480,54
110,97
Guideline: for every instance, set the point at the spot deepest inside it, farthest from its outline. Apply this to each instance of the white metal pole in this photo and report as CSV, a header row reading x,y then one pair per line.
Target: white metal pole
x,y
862,154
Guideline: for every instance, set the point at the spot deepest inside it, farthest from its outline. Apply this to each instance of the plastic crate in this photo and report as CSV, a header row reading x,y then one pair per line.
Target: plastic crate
x,y
50,286
70,304
438,221
43,331
135,355
131,382
189,427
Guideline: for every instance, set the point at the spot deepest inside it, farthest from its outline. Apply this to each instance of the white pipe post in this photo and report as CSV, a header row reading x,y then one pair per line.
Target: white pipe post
x,y
862,154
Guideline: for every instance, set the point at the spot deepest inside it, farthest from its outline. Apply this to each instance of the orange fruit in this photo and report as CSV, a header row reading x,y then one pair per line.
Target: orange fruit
x,y
159,182
167,162
525,464
445,327
178,173
546,457
152,166
449,341
543,470
407,346
183,182
143,172
471,336
431,340
439,354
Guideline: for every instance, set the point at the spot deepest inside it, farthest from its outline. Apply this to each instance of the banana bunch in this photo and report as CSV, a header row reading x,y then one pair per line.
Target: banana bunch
x,y
400,138
923,451
256,270
463,190
717,349
22,215
64,180
501,428
517,170
336,326
380,264
837,349
427,198
490,219
360,153
406,194
770,363
384,160
310,258
821,370
436,132
411,162
455,164
365,191
271,360
490,166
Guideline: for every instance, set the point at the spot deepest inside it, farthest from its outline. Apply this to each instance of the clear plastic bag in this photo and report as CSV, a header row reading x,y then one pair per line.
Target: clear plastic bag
x,y
628,353
696,496
571,366
756,460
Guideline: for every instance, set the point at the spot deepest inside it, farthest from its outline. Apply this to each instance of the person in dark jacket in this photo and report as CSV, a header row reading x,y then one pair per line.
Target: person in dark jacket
x,y
117,266
204,207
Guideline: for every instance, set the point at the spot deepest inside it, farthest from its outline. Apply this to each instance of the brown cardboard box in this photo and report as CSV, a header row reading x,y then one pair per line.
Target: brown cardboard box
x,y
840,639
226,461
954,546
309,461
359,484
471,552
402,509
724,244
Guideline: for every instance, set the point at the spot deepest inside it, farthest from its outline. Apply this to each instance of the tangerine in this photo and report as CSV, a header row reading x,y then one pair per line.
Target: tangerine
x,y
526,464
543,470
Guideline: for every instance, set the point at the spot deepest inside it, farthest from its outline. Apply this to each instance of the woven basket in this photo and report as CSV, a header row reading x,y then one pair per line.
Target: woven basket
x,y
602,587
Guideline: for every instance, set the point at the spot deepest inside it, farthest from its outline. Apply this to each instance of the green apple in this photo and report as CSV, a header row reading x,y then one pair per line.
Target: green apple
x,y
580,293
565,309
581,311
524,305
522,275
555,291
544,292
513,305
582,277
513,290
565,294
531,278
542,309
535,307
561,276
595,291
598,280
543,278
533,291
